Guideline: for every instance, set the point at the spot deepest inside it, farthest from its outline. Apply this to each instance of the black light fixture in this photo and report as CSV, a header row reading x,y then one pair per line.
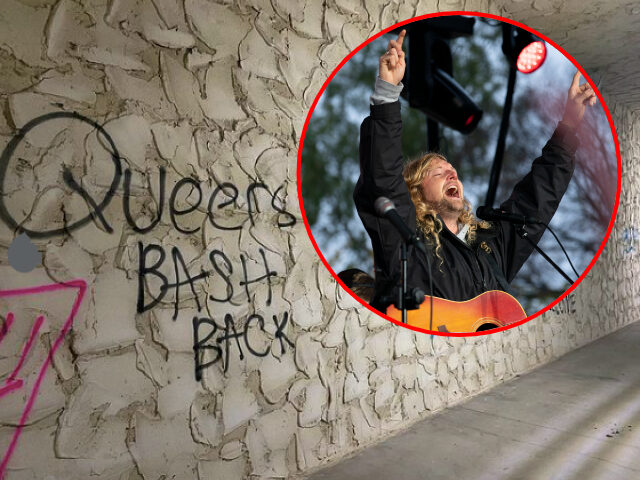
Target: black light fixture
x,y
525,53
429,83
523,50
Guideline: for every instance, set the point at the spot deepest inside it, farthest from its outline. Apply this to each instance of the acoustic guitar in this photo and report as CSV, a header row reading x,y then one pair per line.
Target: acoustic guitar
x,y
488,310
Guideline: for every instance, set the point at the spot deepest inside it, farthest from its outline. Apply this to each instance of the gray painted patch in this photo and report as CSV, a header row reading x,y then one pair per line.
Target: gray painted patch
x,y
23,254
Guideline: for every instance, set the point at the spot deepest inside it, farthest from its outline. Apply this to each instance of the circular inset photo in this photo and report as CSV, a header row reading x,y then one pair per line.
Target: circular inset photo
x,y
459,174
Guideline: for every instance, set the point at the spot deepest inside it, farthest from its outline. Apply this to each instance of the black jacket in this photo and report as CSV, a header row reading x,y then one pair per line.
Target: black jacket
x,y
463,271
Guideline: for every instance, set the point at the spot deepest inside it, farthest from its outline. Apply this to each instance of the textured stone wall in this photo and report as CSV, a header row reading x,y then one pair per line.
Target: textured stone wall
x,y
197,238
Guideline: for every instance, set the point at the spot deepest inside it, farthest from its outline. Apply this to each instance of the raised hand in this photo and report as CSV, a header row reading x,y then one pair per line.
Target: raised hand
x,y
392,63
577,100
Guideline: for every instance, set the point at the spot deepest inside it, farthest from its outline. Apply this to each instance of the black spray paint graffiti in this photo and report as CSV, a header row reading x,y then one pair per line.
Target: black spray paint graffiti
x,y
224,196
566,306
179,266
97,208
285,219
222,267
214,210
228,333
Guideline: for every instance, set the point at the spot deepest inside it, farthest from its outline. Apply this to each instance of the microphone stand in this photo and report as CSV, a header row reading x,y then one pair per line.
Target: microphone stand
x,y
402,297
386,209
522,231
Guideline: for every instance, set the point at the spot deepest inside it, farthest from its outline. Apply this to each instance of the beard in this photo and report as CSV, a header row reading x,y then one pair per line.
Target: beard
x,y
449,206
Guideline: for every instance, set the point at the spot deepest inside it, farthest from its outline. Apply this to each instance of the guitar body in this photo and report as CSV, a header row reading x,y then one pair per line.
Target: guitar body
x,y
488,310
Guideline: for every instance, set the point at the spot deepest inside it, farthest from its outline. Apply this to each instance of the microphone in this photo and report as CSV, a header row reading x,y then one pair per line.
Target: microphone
x,y
494,215
385,208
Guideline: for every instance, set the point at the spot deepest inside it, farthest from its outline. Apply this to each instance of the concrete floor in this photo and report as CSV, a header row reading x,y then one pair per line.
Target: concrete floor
x,y
575,418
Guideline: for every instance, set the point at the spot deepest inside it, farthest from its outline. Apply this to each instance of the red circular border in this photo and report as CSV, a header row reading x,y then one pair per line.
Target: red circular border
x,y
501,19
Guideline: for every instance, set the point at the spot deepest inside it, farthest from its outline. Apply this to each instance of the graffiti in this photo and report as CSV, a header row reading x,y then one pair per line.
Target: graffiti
x,y
220,208
13,383
630,238
127,207
566,306
178,263
23,254
221,270
147,268
97,208
229,190
6,325
228,333
226,194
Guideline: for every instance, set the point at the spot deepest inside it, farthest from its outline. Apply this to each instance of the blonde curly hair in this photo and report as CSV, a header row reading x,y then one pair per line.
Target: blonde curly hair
x,y
414,172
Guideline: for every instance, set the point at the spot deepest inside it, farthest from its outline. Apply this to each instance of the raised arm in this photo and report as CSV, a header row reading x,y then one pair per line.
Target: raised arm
x,y
381,162
578,98
392,63
381,132
539,193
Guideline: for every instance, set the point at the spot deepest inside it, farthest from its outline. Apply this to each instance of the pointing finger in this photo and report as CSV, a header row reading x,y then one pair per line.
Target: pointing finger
x,y
401,36
576,80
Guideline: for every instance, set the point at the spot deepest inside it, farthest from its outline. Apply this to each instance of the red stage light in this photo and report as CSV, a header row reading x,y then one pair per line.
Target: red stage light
x,y
531,57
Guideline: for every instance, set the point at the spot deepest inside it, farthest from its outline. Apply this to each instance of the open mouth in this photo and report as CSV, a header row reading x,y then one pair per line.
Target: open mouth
x,y
452,192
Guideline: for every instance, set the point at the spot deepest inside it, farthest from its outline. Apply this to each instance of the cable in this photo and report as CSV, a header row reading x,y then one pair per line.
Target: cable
x,y
522,231
563,250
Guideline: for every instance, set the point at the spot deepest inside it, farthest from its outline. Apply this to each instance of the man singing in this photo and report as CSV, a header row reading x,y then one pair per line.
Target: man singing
x,y
467,256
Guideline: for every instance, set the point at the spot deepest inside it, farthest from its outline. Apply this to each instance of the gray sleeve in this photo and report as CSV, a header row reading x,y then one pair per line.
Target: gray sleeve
x,y
385,92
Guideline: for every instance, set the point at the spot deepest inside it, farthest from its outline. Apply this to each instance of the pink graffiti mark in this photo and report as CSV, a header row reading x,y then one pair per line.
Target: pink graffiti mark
x,y
13,383
6,326
10,383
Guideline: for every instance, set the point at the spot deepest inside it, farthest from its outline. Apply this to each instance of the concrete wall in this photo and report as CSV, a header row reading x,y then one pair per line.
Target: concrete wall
x,y
210,98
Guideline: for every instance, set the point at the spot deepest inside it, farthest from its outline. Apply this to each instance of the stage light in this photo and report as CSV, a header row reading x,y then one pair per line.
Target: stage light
x,y
525,53
531,57
523,50
430,84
